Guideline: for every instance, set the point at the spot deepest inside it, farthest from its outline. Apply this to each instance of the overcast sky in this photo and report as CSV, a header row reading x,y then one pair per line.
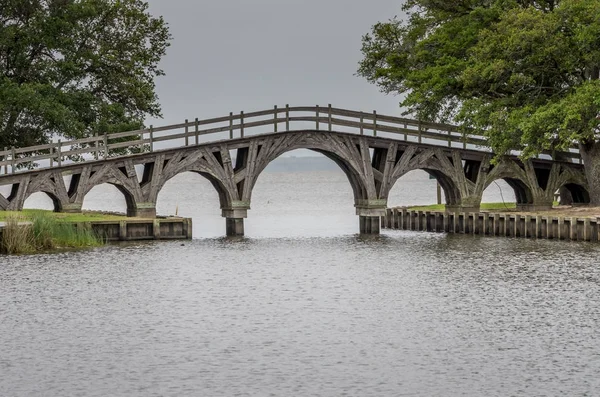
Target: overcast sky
x,y
232,55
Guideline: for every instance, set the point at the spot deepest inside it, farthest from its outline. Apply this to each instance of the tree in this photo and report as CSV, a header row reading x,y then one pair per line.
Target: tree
x,y
524,74
72,68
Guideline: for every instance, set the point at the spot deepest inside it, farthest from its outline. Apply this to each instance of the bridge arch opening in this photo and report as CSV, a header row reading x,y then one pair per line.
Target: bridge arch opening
x,y
416,187
108,197
522,192
42,201
194,195
5,190
419,187
575,194
303,193
500,191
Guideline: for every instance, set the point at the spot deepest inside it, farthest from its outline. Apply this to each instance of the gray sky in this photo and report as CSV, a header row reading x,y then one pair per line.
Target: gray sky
x,y
232,55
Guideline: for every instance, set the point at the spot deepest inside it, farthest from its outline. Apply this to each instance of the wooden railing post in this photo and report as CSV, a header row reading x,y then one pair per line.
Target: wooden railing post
x,y
151,139
196,130
405,134
287,117
105,142
187,131
241,124
318,115
374,123
420,129
275,114
449,137
95,147
6,161
12,159
362,123
51,158
230,125
329,118
59,153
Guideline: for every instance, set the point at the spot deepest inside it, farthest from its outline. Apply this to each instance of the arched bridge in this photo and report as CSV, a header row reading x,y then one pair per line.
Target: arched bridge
x,y
373,150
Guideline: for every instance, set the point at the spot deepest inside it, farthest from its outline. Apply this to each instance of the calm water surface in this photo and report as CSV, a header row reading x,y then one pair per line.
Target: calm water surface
x,y
301,307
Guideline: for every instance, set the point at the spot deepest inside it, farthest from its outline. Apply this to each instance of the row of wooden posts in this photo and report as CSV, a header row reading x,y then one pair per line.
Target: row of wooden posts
x,y
494,224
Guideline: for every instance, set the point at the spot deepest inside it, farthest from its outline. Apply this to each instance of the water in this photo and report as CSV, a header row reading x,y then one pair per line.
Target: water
x,y
301,307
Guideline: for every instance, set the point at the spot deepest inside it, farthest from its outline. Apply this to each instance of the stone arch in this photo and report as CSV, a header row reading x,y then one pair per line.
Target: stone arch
x,y
216,167
347,152
535,184
112,175
451,193
56,201
354,177
51,184
129,197
516,178
522,191
578,192
358,188
523,194
435,164
573,183
225,197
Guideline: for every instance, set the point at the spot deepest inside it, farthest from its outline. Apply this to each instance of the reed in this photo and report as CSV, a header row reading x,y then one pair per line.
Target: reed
x,y
17,237
42,232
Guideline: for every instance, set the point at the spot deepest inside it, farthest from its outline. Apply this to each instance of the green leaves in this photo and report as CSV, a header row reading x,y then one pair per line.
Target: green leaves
x,y
74,68
522,73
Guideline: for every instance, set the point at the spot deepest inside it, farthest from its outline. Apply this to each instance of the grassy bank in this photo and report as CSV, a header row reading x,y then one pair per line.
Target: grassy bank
x,y
484,206
35,231
28,215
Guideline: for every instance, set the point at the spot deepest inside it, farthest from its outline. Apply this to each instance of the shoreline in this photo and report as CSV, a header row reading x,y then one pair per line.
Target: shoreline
x,y
560,223
28,232
557,210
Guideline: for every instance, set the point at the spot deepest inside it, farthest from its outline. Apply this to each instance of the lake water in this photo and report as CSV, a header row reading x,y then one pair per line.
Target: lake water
x,y
302,306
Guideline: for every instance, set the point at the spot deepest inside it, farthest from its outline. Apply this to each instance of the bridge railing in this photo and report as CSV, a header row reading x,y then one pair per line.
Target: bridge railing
x,y
240,125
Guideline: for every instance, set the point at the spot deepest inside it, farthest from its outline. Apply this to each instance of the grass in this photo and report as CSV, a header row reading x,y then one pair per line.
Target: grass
x,y
484,206
40,231
28,215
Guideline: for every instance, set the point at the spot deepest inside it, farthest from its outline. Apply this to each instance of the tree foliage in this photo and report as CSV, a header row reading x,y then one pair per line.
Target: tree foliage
x,y
76,67
522,73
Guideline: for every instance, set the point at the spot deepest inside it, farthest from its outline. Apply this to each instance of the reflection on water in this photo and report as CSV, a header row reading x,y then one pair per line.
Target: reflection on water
x,y
302,306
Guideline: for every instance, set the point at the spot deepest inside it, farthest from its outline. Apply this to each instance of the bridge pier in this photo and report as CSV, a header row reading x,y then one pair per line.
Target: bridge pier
x,y
369,215
142,210
369,224
74,208
234,227
234,219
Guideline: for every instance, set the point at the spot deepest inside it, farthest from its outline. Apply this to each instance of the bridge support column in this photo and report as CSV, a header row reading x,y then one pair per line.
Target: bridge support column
x,y
369,224
234,227
72,208
369,215
234,219
142,210
470,203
